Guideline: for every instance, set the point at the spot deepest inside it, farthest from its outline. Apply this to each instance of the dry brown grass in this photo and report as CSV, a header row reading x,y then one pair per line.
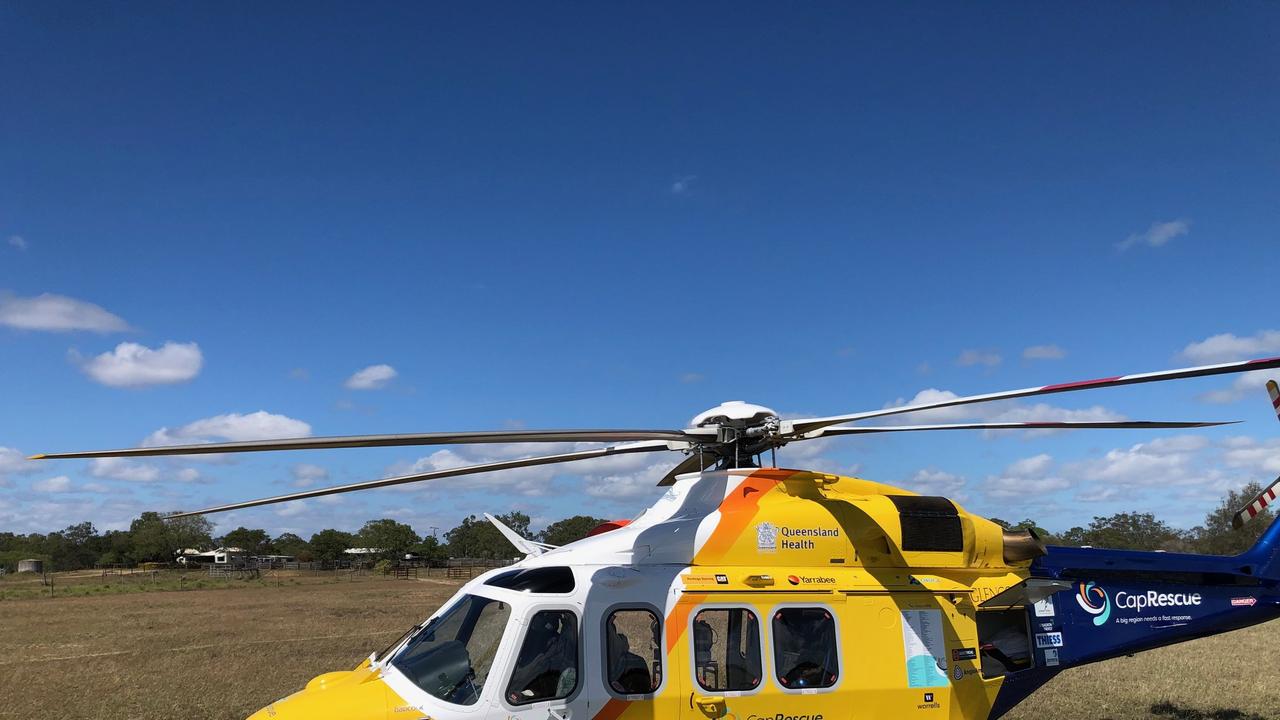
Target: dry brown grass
x,y
221,654
216,654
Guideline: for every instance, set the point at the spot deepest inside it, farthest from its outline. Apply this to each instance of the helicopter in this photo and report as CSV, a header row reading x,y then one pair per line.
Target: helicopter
x,y
753,592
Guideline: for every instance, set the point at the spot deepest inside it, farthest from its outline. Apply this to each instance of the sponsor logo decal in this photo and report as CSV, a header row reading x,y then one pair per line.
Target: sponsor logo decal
x,y
766,537
810,580
1244,602
1051,657
1049,640
929,703
778,716
792,538
957,672
722,579
964,654
1044,608
1094,600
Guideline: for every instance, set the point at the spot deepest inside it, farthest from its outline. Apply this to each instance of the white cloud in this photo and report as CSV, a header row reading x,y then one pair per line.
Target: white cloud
x,y
1025,478
1003,411
59,484
19,242
57,313
305,475
373,377
232,427
931,481
683,185
1043,352
1165,461
134,365
1035,466
987,358
124,469
1244,385
1226,347
1257,457
1157,235
13,461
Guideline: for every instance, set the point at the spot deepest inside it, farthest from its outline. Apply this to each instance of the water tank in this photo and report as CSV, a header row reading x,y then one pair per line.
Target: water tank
x,y
35,566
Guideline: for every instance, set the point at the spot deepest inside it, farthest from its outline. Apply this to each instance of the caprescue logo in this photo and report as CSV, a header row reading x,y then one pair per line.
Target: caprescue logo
x,y
1094,600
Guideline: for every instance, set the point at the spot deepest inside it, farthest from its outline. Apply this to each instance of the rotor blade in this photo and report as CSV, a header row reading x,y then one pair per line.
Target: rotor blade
x,y
1064,425
437,474
695,461
349,441
801,427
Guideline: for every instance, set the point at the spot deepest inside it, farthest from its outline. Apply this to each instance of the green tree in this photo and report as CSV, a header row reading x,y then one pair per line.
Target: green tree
x,y
1127,531
1218,537
478,538
290,544
1028,524
430,550
151,539
563,532
252,541
392,539
327,545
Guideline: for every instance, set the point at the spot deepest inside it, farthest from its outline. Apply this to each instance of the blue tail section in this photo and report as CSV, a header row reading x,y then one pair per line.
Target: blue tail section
x,y
1123,602
1264,557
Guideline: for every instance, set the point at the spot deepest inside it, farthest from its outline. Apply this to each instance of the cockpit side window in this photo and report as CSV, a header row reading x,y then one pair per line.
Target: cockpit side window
x,y
806,648
451,657
633,651
557,580
726,650
547,666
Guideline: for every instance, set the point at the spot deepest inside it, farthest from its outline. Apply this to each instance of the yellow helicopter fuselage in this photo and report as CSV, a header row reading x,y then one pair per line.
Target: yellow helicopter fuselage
x,y
744,594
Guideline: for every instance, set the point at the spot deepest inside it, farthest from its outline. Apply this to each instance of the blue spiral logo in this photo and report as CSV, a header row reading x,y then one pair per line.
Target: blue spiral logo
x,y
1094,600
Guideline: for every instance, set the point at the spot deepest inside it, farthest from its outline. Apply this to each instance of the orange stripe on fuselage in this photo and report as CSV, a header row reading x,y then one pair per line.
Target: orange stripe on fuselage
x,y
612,710
737,511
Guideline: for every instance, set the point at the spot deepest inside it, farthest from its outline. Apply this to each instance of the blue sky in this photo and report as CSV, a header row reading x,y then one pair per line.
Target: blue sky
x,y
585,216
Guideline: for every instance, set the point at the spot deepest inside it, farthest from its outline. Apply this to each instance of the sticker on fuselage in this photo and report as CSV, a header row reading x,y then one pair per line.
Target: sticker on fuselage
x,y
1044,608
1051,657
924,646
1049,640
766,537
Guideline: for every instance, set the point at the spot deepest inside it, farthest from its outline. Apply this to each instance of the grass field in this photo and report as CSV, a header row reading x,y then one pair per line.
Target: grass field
x,y
223,651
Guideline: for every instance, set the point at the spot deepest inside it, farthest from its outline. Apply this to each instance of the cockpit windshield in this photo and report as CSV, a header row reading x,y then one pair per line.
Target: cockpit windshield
x,y
451,657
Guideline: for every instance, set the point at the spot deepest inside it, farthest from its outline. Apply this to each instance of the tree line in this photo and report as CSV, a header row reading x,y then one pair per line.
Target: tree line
x,y
152,539
149,538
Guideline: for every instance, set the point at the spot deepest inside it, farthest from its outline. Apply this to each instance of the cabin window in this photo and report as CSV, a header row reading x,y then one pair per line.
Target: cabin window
x,y
1004,641
547,666
558,580
633,652
451,656
726,650
806,648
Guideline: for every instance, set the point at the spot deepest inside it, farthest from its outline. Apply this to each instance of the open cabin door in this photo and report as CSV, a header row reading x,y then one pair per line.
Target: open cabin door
x,y
1014,623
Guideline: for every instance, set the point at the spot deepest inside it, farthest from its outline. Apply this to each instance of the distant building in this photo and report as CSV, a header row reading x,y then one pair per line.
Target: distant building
x,y
217,556
33,566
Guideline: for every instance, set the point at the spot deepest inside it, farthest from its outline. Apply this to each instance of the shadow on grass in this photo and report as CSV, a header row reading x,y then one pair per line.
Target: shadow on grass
x,y
1172,710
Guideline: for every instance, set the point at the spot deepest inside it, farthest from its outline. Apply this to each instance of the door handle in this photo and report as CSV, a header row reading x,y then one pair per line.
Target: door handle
x,y
558,713
713,706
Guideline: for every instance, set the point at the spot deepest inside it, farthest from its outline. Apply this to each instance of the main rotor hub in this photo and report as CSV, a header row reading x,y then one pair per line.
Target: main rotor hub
x,y
743,430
